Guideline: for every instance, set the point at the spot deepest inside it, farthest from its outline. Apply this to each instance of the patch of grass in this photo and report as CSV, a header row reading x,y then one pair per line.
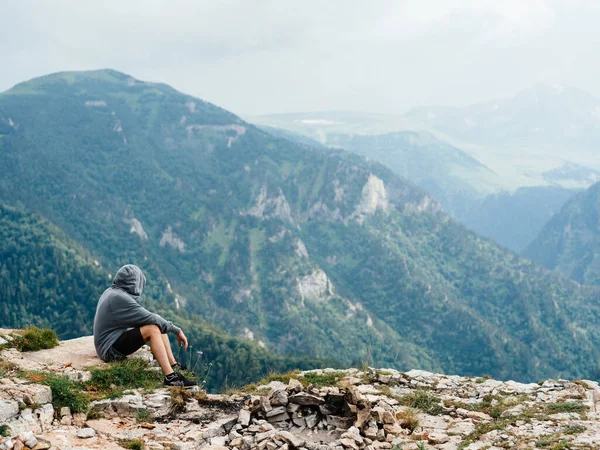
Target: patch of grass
x,y
574,429
423,400
283,377
253,388
143,415
179,397
8,369
326,379
94,414
551,442
567,407
133,373
501,423
4,431
33,339
483,379
67,393
37,377
132,444
384,389
483,428
408,419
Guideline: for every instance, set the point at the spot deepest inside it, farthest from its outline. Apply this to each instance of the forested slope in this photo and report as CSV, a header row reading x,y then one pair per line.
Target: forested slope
x,y
308,253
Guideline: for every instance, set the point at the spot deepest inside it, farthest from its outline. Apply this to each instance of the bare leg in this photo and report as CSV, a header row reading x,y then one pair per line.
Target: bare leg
x,y
165,339
152,333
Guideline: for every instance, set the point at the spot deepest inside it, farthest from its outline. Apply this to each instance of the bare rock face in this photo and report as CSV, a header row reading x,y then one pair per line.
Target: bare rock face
x,y
374,197
171,239
315,286
137,228
271,205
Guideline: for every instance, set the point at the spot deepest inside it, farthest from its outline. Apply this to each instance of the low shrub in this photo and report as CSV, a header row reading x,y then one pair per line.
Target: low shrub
x,y
319,381
423,400
33,339
409,419
131,373
66,393
567,407
132,444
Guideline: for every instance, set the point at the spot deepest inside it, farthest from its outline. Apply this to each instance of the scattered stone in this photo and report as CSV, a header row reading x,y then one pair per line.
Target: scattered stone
x,y
86,433
244,417
279,398
306,399
8,410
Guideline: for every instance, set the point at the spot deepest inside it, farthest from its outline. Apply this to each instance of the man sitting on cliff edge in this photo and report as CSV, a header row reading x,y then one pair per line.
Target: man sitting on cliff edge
x,y
122,326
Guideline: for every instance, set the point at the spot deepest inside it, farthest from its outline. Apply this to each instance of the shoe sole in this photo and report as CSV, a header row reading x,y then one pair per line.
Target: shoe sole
x,y
180,386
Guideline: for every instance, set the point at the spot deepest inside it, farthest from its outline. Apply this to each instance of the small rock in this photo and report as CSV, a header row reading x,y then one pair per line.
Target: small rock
x,y
279,398
265,405
276,411
28,439
279,417
286,436
66,420
8,410
86,433
42,445
294,385
292,407
244,417
312,420
305,399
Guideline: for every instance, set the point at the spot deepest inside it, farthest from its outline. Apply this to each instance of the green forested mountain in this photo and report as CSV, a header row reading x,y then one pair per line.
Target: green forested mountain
x,y
45,280
313,253
570,241
48,281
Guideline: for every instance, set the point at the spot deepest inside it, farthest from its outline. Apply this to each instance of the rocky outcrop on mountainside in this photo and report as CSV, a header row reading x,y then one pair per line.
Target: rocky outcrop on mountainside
x,y
313,410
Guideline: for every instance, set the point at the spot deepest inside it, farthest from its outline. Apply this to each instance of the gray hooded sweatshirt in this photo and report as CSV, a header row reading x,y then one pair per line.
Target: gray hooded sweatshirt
x,y
118,311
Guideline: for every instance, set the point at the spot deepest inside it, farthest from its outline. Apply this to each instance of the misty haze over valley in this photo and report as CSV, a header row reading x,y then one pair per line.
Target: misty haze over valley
x,y
412,185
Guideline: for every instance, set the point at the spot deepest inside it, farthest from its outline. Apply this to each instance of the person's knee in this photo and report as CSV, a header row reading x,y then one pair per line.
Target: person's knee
x,y
149,331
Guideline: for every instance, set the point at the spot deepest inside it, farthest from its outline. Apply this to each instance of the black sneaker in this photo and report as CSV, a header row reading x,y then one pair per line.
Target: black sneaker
x,y
178,367
178,380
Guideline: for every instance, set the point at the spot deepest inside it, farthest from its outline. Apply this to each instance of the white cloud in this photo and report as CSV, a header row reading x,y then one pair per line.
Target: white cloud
x,y
286,55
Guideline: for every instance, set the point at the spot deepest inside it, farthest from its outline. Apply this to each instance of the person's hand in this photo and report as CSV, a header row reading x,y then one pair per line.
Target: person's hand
x,y
182,340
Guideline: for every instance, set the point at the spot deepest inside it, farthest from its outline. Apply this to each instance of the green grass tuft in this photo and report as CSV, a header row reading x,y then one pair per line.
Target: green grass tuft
x,y
319,381
423,400
34,339
133,373
4,431
66,393
567,407
132,444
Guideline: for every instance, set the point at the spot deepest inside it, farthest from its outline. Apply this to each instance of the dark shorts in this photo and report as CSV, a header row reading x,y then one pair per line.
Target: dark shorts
x,y
129,342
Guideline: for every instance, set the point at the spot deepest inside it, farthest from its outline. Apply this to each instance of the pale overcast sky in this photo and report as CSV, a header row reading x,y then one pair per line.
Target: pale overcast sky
x,y
255,57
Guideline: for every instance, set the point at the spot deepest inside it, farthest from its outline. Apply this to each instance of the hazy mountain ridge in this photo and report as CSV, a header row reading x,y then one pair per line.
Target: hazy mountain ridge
x,y
544,115
541,139
570,241
304,251
515,219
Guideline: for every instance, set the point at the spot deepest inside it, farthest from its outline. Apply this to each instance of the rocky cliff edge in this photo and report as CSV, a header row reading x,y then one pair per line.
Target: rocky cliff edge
x,y
323,409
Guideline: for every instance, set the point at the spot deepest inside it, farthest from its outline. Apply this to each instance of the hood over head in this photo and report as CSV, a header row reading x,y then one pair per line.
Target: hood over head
x,y
131,279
